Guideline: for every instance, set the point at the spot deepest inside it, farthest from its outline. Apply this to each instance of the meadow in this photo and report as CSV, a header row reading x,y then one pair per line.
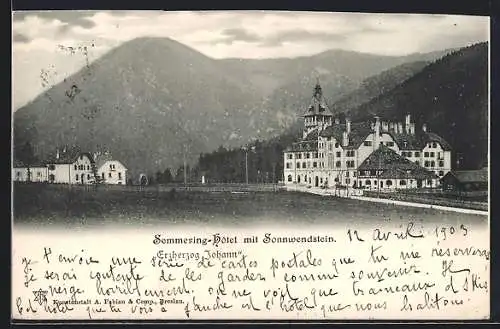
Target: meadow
x,y
69,206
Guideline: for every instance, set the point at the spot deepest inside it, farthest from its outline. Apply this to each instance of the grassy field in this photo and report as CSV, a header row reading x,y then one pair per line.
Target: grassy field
x,y
45,204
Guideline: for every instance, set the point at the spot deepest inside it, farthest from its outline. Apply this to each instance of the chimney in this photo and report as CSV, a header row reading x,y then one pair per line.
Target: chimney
x,y
348,125
377,124
424,127
412,128
57,153
337,121
345,139
385,126
407,123
400,127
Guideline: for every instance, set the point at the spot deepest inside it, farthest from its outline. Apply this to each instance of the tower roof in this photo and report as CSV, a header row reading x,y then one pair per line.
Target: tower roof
x,y
318,104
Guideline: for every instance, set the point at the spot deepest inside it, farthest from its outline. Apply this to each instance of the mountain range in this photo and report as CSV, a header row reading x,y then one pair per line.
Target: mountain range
x,y
153,102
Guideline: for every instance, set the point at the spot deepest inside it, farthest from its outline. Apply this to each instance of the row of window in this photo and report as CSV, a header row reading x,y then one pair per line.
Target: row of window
x,y
432,164
77,177
110,175
338,164
81,167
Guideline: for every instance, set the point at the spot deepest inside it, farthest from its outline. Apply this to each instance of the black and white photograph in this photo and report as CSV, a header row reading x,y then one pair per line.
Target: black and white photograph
x,y
301,140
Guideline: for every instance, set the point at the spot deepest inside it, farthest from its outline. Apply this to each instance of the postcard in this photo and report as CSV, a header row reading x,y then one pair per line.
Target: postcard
x,y
243,165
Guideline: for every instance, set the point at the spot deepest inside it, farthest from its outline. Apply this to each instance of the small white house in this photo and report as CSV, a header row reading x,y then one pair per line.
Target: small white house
x,y
71,167
35,173
110,171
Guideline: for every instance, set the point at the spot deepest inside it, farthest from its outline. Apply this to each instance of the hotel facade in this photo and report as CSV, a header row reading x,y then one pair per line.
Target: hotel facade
x,y
373,154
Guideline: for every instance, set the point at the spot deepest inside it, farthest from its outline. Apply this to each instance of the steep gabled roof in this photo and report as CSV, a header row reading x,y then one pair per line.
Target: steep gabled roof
x,y
393,165
406,141
358,134
433,137
318,104
68,157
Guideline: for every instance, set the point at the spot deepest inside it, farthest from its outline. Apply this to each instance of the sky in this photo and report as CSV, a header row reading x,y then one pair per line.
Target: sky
x,y
48,46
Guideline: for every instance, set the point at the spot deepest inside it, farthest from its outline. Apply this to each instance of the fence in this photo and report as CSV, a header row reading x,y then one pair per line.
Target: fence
x,y
437,198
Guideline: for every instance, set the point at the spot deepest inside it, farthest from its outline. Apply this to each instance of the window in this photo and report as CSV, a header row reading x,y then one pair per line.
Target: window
x,y
288,165
350,164
52,167
76,168
109,175
337,164
433,164
315,164
390,144
336,145
426,154
321,180
432,154
368,182
402,182
88,167
441,173
315,155
298,165
330,147
350,153
367,143
417,154
434,145
388,182
367,173
103,176
76,176
347,174
289,178
408,154
298,156
441,163
308,155
18,173
303,164
347,180
88,176
426,164
298,179
288,156
417,163
338,155
39,174
119,175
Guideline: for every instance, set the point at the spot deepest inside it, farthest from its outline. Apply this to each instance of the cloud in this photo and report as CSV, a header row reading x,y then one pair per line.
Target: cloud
x,y
301,36
237,34
19,37
68,17
227,34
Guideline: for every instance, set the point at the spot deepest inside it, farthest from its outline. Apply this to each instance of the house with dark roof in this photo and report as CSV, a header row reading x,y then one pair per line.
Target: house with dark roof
x,y
330,152
71,166
386,170
35,172
466,180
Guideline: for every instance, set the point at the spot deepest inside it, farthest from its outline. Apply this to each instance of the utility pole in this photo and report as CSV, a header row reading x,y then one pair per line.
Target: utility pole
x,y
185,174
246,165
